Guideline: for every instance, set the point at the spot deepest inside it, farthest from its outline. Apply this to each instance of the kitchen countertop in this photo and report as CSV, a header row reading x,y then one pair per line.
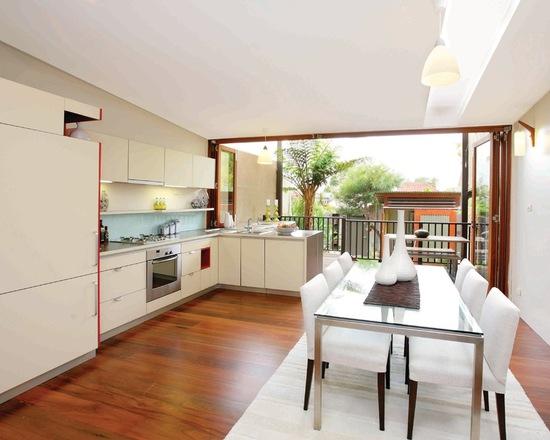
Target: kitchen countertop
x,y
113,248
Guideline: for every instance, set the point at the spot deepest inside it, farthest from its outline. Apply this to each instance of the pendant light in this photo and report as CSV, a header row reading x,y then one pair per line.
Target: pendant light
x,y
264,158
441,67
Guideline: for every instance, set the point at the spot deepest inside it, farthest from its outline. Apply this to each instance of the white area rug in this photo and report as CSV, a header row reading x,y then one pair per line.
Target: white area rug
x,y
350,407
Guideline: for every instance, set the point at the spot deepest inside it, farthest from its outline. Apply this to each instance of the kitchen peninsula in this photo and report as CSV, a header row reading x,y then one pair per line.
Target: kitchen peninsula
x,y
197,262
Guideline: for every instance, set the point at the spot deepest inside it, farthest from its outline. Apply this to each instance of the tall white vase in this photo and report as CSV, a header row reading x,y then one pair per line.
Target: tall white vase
x,y
400,259
386,273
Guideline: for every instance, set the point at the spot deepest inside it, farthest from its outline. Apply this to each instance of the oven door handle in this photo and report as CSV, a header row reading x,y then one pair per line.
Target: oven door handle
x,y
164,259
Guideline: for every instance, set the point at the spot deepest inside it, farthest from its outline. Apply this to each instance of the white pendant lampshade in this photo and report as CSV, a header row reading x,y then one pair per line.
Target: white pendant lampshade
x,y
440,68
264,158
520,143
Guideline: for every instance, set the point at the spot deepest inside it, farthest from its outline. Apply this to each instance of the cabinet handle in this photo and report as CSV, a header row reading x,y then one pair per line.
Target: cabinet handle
x,y
118,269
96,247
118,298
96,298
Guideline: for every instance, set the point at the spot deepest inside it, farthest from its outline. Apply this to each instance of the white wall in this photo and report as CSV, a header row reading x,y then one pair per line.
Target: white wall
x,y
120,118
530,228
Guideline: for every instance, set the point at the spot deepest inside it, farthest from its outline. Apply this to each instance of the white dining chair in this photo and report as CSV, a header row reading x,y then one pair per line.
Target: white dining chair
x,y
354,348
450,363
345,261
474,292
463,268
333,274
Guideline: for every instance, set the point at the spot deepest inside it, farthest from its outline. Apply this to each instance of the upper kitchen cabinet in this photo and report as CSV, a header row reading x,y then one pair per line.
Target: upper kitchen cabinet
x,y
178,168
28,107
204,172
114,157
42,177
145,163
76,111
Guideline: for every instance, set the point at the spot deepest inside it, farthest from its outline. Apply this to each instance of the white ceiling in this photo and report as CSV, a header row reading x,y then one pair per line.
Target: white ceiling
x,y
247,67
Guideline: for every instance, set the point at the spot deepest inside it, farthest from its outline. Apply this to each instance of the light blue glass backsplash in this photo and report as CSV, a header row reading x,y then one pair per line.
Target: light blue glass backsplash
x,y
134,224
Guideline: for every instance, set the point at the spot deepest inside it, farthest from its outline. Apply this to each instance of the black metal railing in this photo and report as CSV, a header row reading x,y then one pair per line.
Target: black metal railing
x,y
332,227
363,238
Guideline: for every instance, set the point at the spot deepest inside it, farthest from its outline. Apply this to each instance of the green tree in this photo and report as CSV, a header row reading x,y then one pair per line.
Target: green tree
x,y
358,186
308,164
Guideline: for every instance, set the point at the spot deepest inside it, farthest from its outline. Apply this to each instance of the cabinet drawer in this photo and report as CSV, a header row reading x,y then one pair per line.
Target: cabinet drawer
x,y
191,283
27,107
198,244
122,309
122,280
190,262
164,301
119,260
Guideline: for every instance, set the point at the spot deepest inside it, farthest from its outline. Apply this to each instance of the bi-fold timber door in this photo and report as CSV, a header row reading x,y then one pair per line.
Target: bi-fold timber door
x,y
490,206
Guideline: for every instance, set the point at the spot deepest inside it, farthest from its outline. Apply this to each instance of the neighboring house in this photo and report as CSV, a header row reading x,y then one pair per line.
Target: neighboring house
x,y
423,205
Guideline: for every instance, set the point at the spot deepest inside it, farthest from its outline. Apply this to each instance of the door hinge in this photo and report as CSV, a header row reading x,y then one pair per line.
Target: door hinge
x,y
496,218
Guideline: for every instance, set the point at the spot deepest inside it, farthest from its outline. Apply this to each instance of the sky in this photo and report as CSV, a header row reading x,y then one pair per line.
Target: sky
x,y
432,156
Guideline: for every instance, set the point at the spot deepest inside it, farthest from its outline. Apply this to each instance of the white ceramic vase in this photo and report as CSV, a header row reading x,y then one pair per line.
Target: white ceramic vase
x,y
400,259
386,273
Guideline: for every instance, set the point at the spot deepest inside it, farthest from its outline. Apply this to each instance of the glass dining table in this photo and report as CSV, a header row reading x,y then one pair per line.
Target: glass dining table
x,y
442,315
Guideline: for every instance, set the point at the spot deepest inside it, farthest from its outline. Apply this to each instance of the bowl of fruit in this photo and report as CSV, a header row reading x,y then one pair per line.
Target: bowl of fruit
x,y
286,228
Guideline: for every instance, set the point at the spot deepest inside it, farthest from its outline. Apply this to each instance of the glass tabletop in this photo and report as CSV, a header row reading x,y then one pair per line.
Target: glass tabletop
x,y
441,307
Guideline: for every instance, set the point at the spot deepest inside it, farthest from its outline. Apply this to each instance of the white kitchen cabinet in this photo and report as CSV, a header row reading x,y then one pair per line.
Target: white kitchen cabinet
x,y
190,262
229,260
124,259
178,168
122,309
46,326
123,280
83,111
28,107
190,284
114,156
252,262
164,301
204,172
284,265
48,187
145,163
209,276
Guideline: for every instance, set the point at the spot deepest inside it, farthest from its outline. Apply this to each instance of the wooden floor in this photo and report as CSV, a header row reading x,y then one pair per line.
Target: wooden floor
x,y
531,366
187,374
191,372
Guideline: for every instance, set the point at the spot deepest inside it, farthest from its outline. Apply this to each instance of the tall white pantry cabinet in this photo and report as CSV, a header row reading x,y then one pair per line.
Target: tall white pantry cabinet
x,y
49,186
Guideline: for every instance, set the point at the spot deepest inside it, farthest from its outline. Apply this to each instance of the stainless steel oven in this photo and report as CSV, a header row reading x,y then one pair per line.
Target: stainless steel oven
x,y
163,271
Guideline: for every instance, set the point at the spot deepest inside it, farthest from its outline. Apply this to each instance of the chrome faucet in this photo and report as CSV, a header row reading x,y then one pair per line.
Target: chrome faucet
x,y
248,225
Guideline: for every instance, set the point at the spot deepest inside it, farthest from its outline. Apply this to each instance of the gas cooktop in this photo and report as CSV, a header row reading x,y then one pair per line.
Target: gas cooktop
x,y
142,239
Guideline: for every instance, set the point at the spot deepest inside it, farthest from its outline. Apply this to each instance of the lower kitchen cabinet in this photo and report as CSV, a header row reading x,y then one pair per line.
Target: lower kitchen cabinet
x,y
122,280
284,265
252,262
191,284
44,327
164,301
229,261
122,309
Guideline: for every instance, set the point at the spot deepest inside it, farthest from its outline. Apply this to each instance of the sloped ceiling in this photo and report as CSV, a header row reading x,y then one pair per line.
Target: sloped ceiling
x,y
248,67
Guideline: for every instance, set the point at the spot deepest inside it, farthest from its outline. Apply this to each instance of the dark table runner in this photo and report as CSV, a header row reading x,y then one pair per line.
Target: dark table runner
x,y
402,294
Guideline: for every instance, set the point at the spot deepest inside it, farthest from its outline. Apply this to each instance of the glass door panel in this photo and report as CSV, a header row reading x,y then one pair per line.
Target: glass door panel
x,y
481,202
226,183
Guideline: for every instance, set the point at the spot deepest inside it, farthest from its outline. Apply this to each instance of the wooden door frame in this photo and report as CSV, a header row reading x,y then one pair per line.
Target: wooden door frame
x,y
499,207
215,151
500,169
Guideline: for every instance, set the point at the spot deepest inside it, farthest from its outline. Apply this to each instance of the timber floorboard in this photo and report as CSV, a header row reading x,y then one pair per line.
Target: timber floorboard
x,y
190,373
